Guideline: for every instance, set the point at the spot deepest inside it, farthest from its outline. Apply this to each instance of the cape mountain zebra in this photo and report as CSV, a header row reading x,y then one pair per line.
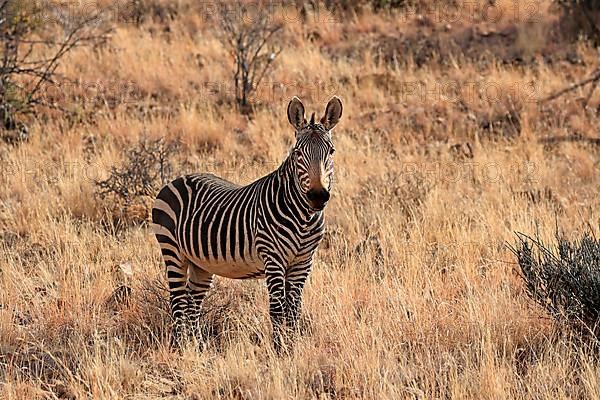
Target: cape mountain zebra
x,y
269,229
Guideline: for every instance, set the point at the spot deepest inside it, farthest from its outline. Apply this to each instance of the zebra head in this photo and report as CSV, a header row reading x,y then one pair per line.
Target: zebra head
x,y
313,151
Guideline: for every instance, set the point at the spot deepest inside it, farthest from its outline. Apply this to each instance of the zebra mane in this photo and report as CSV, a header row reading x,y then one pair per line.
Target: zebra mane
x,y
313,127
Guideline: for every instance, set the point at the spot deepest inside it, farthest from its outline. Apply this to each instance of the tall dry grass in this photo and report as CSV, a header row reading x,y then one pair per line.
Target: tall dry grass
x,y
414,293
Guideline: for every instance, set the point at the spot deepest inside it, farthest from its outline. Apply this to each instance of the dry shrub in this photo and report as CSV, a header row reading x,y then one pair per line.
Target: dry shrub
x,y
564,280
31,49
252,41
581,17
132,187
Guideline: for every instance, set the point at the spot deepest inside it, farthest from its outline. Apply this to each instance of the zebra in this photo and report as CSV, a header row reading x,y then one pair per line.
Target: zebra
x,y
269,229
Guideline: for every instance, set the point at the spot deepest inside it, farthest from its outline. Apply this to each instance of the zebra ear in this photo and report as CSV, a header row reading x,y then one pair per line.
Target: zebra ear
x,y
295,113
333,113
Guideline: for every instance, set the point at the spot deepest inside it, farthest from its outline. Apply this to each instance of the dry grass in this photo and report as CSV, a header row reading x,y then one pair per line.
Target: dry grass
x,y
414,293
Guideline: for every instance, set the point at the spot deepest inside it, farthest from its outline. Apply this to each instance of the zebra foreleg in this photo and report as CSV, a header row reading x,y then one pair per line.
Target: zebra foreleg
x,y
198,284
294,285
277,306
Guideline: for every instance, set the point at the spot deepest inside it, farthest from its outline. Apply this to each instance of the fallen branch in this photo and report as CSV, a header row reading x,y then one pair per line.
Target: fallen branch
x,y
594,78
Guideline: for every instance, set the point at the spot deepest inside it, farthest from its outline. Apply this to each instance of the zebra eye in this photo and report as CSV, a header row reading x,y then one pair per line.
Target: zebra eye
x,y
331,151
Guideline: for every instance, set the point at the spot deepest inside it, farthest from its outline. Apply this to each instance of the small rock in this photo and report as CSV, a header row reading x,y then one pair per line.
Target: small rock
x,y
123,273
63,391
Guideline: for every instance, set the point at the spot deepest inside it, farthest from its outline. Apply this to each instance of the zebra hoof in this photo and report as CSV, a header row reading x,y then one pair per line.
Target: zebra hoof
x,y
282,346
179,336
176,343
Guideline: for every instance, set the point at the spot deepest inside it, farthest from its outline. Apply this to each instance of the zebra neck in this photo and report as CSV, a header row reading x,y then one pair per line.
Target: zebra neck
x,y
292,195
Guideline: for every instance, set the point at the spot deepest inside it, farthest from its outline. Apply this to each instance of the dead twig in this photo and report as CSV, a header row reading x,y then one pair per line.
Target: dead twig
x,y
594,78
30,55
253,46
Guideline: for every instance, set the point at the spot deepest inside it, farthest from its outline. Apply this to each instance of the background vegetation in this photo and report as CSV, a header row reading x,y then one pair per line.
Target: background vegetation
x,y
451,141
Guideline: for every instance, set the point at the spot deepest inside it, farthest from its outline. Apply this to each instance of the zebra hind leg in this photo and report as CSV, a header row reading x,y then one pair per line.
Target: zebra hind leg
x,y
198,284
177,271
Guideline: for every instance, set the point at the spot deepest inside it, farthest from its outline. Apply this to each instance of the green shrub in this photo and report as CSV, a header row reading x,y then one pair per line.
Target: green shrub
x,y
564,280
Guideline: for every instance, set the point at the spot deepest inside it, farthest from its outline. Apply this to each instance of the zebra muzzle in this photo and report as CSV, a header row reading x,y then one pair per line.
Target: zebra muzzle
x,y
318,198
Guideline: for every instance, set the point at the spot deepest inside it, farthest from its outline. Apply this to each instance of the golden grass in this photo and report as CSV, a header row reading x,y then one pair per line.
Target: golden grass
x,y
413,294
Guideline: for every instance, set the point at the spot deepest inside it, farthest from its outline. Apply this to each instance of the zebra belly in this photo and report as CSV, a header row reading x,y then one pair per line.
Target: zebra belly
x,y
246,269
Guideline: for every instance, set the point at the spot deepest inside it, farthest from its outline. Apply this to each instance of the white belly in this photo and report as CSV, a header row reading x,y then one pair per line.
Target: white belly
x,y
239,269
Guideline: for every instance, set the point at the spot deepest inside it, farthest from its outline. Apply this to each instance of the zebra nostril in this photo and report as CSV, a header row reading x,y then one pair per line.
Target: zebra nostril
x,y
321,196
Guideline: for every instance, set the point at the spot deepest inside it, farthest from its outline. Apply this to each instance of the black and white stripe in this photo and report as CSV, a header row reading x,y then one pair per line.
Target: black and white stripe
x,y
269,229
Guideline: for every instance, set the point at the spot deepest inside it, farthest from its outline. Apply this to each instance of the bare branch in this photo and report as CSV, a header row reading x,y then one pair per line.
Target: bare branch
x,y
31,54
246,42
594,78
